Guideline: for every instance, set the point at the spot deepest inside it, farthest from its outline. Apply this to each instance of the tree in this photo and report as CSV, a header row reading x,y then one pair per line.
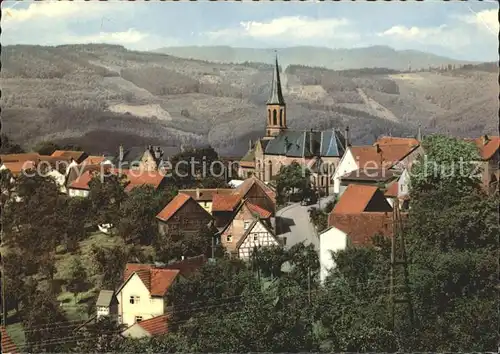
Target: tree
x,y
106,194
109,264
46,147
194,165
103,336
78,277
293,178
138,214
44,324
75,214
7,146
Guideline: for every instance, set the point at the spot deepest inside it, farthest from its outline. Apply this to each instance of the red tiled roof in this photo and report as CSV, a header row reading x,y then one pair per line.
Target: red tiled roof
x,y
361,227
389,140
206,194
189,265
156,325
392,191
370,174
249,182
263,213
487,147
247,163
16,168
222,202
19,157
172,207
75,155
356,197
157,280
7,345
384,156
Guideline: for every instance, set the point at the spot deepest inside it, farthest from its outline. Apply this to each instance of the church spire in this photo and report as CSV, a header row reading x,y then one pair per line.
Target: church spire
x,y
276,96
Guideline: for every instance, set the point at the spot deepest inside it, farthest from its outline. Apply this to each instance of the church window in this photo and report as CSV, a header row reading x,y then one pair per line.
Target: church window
x,y
268,116
281,117
275,119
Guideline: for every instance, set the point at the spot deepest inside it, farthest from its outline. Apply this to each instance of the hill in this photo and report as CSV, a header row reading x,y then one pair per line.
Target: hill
x,y
101,96
335,59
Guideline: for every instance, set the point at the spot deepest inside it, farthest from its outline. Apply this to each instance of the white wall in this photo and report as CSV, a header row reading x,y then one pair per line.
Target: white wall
x,y
404,184
59,178
258,236
72,192
148,307
347,164
331,240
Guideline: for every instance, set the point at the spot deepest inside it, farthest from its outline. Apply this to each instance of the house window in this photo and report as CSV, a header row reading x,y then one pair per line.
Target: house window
x,y
246,225
255,237
229,238
401,187
134,299
138,319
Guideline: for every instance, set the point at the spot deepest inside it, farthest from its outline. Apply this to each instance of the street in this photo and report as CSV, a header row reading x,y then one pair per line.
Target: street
x,y
296,226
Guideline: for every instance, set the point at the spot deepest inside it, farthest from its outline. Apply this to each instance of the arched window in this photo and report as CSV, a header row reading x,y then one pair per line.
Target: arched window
x,y
281,117
268,116
275,118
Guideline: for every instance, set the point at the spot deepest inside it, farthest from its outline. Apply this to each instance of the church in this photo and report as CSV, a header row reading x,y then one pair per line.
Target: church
x,y
320,151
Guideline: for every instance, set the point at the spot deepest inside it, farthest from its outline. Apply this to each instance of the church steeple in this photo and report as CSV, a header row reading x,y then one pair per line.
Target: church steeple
x,y
276,96
276,107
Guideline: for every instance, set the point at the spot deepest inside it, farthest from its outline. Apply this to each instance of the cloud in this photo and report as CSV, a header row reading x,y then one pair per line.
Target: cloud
x,y
293,28
131,36
412,33
483,20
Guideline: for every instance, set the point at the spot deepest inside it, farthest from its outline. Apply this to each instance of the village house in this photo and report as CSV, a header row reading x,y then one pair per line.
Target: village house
x,y
251,225
205,196
488,147
133,179
399,190
149,158
77,156
183,215
377,164
142,294
362,212
282,146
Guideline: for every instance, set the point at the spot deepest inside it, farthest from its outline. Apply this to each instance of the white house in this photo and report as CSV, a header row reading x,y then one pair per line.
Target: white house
x,y
347,164
141,295
348,230
399,189
330,240
258,234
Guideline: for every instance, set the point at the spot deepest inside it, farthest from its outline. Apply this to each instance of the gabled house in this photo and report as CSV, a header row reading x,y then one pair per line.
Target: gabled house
x,y
359,199
488,147
400,190
149,158
386,154
243,219
257,235
155,326
141,296
205,196
107,304
181,216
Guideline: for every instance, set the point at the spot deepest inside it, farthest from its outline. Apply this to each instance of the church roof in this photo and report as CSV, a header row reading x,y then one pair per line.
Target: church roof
x,y
307,144
276,96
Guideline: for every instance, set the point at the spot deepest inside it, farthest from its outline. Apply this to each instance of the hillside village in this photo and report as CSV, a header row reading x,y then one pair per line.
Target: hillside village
x,y
124,251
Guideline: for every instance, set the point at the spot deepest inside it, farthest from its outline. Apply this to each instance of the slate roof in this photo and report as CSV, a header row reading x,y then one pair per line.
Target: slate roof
x,y
307,144
105,298
276,96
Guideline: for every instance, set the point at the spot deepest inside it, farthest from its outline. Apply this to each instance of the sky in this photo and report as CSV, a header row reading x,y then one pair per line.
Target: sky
x,y
466,30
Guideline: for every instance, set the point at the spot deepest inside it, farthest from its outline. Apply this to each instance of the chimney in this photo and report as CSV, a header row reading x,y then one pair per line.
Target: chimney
x,y
378,148
485,139
347,137
419,134
120,155
250,144
197,193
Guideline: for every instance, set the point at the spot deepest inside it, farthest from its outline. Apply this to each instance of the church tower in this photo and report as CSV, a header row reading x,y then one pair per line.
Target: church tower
x,y
276,107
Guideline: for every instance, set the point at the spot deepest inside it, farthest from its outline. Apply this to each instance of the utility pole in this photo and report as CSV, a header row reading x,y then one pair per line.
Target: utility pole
x,y
398,258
